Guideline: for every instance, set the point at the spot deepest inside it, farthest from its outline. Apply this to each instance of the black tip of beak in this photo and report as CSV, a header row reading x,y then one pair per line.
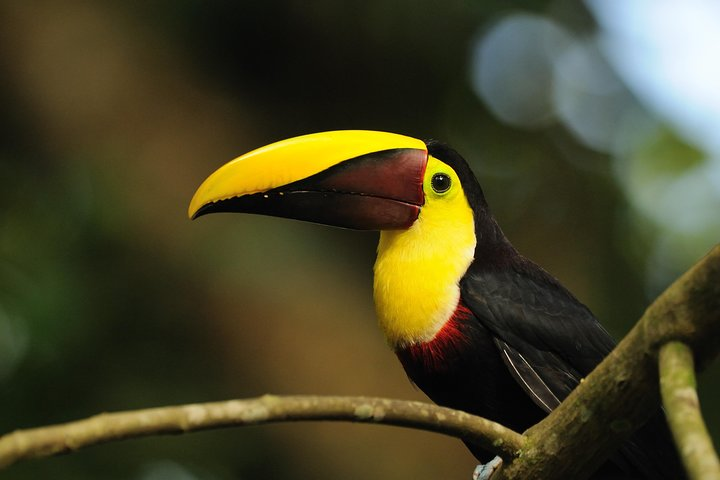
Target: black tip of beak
x,y
204,210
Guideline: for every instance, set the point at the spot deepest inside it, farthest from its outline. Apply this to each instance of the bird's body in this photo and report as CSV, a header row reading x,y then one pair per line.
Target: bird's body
x,y
461,368
476,326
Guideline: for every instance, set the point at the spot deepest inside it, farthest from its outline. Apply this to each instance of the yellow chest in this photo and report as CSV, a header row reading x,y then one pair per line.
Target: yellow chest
x,y
417,272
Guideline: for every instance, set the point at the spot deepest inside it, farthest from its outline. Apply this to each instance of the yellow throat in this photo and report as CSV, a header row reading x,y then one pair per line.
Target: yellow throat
x,y
418,270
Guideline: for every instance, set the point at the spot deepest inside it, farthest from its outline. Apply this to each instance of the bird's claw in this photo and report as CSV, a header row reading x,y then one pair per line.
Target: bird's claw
x,y
485,471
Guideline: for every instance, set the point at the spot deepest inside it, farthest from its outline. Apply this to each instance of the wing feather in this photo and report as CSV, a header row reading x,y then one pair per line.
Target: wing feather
x,y
549,340
528,378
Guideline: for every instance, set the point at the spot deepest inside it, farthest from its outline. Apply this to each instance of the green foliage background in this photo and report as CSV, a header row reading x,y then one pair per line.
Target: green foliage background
x,y
110,299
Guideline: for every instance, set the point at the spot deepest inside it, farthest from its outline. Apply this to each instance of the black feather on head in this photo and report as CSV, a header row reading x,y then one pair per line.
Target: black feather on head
x,y
492,245
470,184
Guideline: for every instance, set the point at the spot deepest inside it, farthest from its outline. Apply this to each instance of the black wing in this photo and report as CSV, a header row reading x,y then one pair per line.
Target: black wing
x,y
547,338
549,341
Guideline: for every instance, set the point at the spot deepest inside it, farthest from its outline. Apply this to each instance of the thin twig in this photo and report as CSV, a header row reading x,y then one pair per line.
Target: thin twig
x,y
106,427
680,399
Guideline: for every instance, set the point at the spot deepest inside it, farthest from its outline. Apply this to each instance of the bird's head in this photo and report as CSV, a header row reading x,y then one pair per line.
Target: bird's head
x,y
357,179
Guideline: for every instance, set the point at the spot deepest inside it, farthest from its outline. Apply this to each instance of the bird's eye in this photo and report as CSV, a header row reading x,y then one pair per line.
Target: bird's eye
x,y
441,182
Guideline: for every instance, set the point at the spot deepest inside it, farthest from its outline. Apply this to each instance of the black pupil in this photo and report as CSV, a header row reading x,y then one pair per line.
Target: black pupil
x,y
441,182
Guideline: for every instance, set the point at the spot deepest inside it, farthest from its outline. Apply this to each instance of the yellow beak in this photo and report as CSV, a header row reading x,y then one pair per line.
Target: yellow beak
x,y
353,178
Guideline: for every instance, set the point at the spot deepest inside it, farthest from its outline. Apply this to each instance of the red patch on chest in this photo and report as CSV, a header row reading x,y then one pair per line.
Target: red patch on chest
x,y
440,353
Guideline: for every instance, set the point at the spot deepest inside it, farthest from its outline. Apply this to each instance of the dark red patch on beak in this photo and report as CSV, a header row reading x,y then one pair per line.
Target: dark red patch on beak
x,y
378,191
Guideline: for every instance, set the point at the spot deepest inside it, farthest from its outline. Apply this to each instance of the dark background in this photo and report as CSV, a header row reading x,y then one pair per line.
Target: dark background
x,y
110,299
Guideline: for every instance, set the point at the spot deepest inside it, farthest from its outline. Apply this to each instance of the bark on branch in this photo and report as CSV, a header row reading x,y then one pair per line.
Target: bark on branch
x,y
107,427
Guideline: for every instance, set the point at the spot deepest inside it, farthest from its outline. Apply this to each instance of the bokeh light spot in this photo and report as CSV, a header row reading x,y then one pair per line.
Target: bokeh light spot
x,y
512,68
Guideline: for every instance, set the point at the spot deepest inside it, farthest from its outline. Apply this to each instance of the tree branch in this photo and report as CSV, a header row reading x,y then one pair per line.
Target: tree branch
x,y
622,392
107,427
611,403
680,399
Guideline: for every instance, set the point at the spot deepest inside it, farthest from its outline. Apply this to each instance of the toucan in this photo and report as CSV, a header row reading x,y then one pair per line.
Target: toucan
x,y
476,325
